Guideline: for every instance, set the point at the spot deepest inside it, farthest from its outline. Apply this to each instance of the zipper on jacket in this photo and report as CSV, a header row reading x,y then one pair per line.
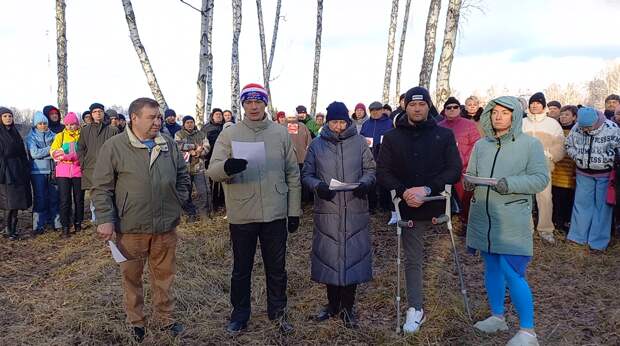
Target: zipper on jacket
x,y
344,197
589,151
499,147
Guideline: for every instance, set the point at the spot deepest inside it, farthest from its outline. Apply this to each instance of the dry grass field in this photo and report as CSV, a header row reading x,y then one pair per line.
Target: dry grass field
x,y
67,292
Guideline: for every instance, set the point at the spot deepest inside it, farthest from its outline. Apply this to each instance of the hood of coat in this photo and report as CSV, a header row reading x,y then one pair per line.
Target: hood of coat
x,y
329,135
509,102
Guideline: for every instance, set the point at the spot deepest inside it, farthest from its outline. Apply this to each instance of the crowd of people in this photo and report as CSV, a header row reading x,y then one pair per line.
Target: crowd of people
x,y
553,169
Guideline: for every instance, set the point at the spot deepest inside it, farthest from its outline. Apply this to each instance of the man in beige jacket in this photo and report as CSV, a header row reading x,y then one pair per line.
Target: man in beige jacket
x,y
255,160
140,182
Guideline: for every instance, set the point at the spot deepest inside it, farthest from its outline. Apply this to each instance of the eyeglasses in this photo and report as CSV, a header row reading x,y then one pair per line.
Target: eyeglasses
x,y
452,107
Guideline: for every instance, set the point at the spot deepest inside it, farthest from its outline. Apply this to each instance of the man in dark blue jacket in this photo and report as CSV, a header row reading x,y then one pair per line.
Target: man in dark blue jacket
x,y
417,159
373,130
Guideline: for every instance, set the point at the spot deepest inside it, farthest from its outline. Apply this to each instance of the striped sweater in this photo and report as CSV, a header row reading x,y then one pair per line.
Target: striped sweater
x,y
564,173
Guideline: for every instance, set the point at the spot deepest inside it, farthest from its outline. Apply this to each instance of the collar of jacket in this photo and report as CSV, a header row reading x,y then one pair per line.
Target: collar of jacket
x,y
404,123
328,135
257,125
160,144
536,117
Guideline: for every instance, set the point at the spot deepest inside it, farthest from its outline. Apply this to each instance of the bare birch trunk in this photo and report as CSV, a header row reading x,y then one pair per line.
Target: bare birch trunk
x,y
317,56
210,58
234,68
447,52
141,51
429,44
61,53
276,25
401,50
263,49
390,52
203,71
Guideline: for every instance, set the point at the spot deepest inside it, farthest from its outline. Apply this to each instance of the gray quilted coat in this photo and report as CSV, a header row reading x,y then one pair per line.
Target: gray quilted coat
x,y
341,249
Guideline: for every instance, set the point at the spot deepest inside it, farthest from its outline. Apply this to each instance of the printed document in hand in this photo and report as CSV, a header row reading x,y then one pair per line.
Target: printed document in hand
x,y
116,253
433,198
336,185
480,181
253,152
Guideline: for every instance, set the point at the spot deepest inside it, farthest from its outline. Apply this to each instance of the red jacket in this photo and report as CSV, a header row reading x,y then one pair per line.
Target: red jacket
x,y
466,134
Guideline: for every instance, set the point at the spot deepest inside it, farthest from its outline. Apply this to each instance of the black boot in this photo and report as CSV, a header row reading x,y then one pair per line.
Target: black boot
x,y
326,313
12,225
65,233
77,227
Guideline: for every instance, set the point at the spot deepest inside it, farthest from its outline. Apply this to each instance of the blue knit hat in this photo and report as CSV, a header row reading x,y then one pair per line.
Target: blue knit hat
x,y
38,118
188,118
254,91
170,113
586,116
337,111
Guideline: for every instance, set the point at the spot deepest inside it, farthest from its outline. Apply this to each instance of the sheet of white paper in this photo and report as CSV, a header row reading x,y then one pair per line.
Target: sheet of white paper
x,y
253,152
116,253
336,185
480,181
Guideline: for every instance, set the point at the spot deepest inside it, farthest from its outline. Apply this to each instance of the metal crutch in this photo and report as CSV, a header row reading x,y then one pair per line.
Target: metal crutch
x,y
399,224
447,219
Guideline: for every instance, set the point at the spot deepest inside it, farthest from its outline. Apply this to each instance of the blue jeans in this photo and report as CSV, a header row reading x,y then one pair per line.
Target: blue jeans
x,y
591,220
45,202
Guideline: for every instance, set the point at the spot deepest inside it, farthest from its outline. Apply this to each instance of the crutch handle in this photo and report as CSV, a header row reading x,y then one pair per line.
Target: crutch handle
x,y
441,219
405,223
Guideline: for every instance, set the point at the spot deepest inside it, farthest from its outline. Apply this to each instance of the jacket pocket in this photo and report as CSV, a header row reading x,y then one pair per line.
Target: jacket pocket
x,y
282,188
517,201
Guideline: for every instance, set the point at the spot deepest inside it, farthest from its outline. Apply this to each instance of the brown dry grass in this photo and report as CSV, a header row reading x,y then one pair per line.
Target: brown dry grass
x,y
56,292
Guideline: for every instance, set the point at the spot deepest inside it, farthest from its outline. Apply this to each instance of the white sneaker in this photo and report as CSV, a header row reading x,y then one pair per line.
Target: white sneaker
x,y
548,237
415,318
491,325
393,219
523,338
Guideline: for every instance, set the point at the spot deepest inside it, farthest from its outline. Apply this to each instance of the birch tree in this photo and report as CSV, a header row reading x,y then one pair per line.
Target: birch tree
x,y
429,43
390,52
401,49
61,53
263,49
234,69
447,52
141,51
205,65
317,56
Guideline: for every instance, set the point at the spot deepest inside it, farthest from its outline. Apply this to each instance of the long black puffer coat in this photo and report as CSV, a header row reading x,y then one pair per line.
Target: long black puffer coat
x,y
341,249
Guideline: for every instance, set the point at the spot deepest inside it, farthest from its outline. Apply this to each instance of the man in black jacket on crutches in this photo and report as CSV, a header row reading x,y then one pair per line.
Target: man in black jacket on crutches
x,y
417,159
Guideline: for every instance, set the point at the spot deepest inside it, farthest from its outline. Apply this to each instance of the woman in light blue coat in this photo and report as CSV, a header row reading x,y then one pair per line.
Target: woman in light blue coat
x,y
46,199
500,218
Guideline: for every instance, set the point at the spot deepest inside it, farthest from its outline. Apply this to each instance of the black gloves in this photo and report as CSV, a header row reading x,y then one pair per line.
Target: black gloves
x,y
361,191
323,191
234,166
293,223
501,187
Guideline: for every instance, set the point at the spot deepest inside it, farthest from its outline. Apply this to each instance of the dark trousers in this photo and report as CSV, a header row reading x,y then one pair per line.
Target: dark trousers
x,y
341,297
203,196
68,189
563,200
217,192
44,202
378,197
272,237
307,195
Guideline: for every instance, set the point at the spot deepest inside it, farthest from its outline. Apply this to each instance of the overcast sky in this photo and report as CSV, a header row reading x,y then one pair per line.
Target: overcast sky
x,y
519,45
